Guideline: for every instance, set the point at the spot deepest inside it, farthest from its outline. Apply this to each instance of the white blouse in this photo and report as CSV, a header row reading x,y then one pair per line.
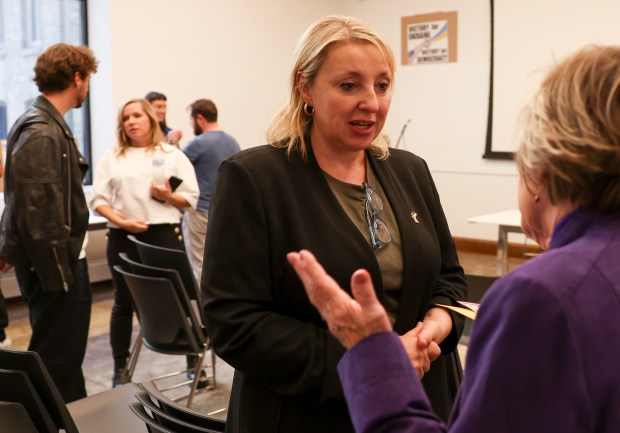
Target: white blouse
x,y
124,183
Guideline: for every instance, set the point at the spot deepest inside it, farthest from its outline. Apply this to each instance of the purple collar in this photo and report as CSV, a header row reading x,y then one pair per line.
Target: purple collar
x,y
576,223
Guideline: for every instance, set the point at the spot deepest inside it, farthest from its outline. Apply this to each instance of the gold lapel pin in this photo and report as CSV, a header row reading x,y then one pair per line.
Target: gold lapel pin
x,y
414,216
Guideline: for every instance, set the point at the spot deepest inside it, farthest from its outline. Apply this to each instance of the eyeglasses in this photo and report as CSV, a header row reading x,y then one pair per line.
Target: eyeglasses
x,y
379,233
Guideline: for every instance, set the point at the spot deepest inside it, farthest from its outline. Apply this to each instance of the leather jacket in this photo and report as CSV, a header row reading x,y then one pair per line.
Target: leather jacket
x,y
46,216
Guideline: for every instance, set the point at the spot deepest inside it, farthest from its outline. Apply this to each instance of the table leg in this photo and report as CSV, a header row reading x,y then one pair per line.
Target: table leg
x,y
502,251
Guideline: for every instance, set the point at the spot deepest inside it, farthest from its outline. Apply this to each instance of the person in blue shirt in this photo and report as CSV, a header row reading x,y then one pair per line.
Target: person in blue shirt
x,y
206,151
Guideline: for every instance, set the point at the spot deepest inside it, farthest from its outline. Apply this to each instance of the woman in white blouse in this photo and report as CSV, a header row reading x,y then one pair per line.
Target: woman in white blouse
x,y
132,190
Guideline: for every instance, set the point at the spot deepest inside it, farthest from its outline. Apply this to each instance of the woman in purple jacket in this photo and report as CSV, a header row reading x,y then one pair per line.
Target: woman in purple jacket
x,y
545,350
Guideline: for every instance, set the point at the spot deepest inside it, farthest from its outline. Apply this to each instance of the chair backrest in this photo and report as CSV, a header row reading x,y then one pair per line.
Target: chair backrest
x,y
478,285
151,424
168,420
31,364
175,279
180,411
17,388
169,258
192,308
164,324
15,418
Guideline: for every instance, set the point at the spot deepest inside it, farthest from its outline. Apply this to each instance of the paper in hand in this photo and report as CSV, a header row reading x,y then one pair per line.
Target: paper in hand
x,y
468,309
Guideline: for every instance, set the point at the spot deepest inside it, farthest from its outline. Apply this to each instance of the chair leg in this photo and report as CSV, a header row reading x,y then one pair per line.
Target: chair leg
x,y
133,357
197,370
213,358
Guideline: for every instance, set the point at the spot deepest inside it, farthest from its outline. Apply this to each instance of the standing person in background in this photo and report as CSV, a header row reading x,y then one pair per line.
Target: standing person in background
x,y
135,201
159,103
45,220
206,151
543,356
328,183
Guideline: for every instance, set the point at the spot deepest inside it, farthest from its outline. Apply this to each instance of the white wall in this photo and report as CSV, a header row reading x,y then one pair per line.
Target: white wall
x,y
235,52
238,53
522,58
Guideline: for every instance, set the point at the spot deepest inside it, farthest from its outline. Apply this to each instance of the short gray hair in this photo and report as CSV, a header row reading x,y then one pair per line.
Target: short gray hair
x,y
570,135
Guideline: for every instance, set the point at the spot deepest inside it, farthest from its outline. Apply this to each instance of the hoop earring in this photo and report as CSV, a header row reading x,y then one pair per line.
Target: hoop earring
x,y
309,110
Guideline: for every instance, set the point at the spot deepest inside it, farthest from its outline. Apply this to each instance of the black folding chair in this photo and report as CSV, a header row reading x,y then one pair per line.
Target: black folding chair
x,y
168,258
477,286
189,308
165,325
31,364
17,388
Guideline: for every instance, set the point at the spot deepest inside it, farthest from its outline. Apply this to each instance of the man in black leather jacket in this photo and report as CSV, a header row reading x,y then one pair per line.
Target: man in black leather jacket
x,y
46,217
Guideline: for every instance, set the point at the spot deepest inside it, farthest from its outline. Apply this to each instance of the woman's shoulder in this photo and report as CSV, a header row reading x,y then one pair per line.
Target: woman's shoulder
x,y
554,275
404,157
258,155
405,165
264,161
168,148
109,154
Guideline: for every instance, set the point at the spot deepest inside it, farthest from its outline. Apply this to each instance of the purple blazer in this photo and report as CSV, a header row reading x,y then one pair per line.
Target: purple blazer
x,y
544,354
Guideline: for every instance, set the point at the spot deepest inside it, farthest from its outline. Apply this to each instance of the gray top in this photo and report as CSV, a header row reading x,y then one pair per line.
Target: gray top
x,y
206,151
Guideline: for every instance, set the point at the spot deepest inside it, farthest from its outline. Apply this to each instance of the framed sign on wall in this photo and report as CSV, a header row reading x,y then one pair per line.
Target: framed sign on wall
x,y
429,38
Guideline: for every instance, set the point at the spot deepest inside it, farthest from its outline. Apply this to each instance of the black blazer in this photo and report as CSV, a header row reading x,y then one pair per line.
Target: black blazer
x,y
258,315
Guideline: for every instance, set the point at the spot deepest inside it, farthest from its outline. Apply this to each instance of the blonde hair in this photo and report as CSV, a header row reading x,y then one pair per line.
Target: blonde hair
x,y
123,140
289,127
570,137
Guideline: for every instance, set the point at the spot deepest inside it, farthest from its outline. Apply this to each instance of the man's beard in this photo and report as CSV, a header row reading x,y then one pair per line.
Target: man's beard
x,y
80,100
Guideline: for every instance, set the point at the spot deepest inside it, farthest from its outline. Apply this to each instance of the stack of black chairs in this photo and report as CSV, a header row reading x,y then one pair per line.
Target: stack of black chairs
x,y
170,259
168,322
29,399
163,415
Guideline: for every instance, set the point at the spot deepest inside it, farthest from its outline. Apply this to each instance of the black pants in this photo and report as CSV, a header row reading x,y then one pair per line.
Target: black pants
x,y
4,317
59,322
163,235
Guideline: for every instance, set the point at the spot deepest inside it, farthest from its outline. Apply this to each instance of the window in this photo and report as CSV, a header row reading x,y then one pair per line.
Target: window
x,y
31,23
28,27
2,47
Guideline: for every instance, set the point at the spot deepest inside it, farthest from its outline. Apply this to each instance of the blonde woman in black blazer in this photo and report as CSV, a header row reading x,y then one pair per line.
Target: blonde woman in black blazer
x,y
320,187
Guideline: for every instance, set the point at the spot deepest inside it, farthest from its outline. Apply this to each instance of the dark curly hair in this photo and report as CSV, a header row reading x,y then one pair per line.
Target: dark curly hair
x,y
56,66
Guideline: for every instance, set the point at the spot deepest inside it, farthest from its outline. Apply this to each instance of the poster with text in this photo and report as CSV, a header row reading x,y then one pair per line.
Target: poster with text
x,y
429,38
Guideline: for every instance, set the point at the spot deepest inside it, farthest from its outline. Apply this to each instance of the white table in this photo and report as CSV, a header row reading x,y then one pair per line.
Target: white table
x,y
508,221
